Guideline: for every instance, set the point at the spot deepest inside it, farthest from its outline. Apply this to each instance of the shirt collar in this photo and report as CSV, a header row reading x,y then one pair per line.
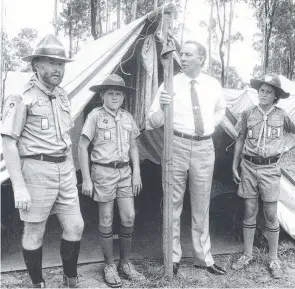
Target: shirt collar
x,y
34,79
111,112
197,79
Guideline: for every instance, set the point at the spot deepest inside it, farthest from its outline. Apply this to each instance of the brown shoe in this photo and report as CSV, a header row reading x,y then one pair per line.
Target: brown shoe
x,y
130,273
275,269
111,276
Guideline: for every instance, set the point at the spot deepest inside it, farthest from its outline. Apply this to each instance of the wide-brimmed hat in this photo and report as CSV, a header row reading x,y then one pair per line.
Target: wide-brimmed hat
x,y
49,46
272,80
113,81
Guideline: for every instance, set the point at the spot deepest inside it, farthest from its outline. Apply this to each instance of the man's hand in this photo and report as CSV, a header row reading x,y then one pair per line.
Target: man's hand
x,y
236,176
22,198
136,183
165,99
87,188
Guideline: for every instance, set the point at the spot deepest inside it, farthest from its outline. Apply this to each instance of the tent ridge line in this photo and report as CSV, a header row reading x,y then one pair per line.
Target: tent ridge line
x,y
97,69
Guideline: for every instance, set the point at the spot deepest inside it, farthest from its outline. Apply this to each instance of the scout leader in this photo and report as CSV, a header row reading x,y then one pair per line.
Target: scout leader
x,y
113,132
37,152
259,147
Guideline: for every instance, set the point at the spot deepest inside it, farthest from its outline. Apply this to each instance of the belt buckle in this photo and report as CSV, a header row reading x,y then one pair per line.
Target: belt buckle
x,y
41,157
116,164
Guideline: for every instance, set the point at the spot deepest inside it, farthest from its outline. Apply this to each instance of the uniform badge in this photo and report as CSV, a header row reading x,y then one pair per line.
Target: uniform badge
x,y
105,121
107,135
44,123
40,101
11,105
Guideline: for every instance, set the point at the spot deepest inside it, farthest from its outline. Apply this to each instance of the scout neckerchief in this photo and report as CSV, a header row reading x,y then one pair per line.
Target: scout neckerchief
x,y
55,110
263,131
118,128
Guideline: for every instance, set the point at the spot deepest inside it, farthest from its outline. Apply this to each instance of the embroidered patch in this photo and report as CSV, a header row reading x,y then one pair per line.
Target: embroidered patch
x,y
41,101
11,105
44,123
105,121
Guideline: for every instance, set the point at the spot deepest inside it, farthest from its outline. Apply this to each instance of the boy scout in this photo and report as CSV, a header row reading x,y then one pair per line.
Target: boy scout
x,y
113,132
260,145
37,152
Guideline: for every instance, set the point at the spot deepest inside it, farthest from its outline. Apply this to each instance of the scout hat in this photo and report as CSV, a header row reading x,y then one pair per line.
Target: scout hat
x,y
272,80
113,81
49,46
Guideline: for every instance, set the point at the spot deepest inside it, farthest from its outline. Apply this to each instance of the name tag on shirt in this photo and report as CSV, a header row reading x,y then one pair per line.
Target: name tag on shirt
x,y
44,123
107,134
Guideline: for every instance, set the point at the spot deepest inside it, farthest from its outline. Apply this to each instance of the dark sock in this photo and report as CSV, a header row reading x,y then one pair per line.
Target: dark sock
x,y
69,252
106,240
33,261
126,236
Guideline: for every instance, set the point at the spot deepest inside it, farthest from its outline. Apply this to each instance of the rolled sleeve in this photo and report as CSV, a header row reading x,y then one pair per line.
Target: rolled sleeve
x,y
14,117
135,131
89,127
289,123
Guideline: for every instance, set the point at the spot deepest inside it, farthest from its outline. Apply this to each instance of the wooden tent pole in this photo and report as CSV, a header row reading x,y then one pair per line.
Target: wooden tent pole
x,y
167,164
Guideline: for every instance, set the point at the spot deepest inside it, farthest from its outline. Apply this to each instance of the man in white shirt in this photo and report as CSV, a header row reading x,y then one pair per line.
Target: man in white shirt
x,y
198,108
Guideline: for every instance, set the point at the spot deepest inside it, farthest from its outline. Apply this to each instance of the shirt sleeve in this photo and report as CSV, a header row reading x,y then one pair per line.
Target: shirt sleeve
x,y
289,124
243,125
89,126
156,115
135,131
14,117
220,105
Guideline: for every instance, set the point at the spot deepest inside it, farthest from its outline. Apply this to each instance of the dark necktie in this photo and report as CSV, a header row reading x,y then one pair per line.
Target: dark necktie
x,y
199,125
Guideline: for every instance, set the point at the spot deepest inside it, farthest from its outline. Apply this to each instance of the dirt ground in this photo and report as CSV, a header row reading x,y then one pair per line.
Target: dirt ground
x,y
256,275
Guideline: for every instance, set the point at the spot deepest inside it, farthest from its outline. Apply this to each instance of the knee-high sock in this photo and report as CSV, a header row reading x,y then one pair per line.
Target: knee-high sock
x,y
33,261
69,252
248,233
106,239
126,235
273,241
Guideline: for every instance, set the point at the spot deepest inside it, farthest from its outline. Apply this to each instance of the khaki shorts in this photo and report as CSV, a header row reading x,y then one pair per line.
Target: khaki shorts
x,y
263,180
52,188
111,183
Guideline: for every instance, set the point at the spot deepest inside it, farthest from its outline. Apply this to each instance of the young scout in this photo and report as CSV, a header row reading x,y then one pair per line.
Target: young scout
x,y
37,152
113,132
259,146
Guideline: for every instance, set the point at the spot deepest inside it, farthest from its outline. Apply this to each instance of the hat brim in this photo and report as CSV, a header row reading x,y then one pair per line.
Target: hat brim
x,y
128,90
31,57
256,83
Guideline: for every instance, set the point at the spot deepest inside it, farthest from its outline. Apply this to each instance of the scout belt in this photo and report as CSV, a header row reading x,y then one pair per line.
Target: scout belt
x,y
115,165
260,160
47,158
189,136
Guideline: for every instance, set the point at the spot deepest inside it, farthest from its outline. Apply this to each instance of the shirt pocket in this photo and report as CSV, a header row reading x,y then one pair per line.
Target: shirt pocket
x,y
40,117
253,128
106,130
274,129
127,130
65,118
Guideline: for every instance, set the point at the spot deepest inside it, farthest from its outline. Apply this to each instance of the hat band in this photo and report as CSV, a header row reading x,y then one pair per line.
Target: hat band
x,y
51,51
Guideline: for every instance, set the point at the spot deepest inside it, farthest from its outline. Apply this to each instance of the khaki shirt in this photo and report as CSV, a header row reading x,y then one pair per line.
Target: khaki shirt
x,y
278,122
40,125
110,134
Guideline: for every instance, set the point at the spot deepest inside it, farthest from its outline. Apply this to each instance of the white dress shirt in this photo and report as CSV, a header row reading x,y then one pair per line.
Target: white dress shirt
x,y
211,100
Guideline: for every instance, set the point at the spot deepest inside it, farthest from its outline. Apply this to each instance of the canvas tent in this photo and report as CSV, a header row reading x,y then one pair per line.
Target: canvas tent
x,y
123,51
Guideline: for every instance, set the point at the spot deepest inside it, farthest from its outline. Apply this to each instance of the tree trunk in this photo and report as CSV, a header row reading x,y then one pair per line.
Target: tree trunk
x,y
232,4
118,14
70,31
210,38
133,10
155,4
107,16
55,18
93,18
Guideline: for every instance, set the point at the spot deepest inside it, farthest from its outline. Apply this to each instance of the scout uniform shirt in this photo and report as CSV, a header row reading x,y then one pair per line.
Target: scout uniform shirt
x,y
264,131
39,120
110,134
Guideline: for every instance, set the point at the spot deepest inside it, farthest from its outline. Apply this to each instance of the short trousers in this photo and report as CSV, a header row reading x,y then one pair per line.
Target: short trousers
x,y
263,180
111,183
52,188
